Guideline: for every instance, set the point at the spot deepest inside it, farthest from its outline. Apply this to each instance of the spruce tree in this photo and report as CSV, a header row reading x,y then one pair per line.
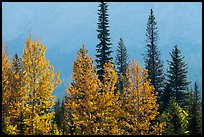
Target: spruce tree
x,y
104,46
17,64
153,63
121,64
195,113
177,76
59,115
176,119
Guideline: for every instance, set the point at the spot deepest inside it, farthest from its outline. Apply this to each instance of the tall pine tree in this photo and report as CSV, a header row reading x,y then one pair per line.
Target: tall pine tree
x,y
153,63
104,46
121,63
177,77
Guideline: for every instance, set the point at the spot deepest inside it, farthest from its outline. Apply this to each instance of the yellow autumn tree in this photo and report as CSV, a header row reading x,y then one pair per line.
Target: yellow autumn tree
x,y
6,91
12,96
17,97
110,112
139,104
39,83
90,105
83,93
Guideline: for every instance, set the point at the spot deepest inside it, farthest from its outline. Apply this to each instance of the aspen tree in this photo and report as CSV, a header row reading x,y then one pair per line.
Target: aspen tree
x,y
6,91
83,95
40,81
91,111
109,103
139,103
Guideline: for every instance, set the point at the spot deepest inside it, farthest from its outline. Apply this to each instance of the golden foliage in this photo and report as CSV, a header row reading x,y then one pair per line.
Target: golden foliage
x,y
139,103
27,91
6,91
91,107
39,82
92,104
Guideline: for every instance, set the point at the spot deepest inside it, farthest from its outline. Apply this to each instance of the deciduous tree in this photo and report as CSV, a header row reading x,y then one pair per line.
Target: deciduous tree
x,y
40,81
92,112
139,103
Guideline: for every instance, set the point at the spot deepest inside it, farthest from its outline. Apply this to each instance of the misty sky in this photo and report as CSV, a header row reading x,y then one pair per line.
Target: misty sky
x,y
64,27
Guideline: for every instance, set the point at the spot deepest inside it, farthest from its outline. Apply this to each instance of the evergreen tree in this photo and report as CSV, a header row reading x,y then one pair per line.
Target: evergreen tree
x,y
153,63
177,77
176,119
59,115
165,98
17,65
122,64
195,113
104,46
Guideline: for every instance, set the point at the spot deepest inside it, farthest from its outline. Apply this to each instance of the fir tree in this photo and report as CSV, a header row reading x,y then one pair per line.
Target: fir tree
x,y
59,115
177,77
153,63
195,113
176,119
104,46
122,63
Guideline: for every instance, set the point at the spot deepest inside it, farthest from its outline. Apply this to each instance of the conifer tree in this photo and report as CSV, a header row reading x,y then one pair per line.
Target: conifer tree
x,y
177,77
39,82
139,104
153,63
121,64
59,115
195,113
104,46
176,119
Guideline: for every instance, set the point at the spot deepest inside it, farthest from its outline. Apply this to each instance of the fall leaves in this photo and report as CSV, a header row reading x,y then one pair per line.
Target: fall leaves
x,y
28,95
92,107
98,108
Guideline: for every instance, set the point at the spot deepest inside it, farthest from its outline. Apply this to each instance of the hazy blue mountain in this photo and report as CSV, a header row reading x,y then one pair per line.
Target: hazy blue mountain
x,y
64,27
